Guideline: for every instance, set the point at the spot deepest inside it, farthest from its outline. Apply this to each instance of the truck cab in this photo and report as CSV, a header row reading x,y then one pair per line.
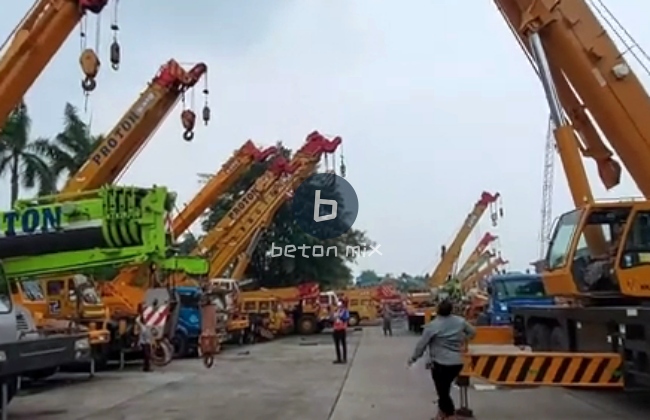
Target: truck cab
x,y
510,290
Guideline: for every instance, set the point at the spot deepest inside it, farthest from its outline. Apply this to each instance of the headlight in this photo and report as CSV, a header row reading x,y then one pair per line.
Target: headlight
x,y
82,344
503,307
3,356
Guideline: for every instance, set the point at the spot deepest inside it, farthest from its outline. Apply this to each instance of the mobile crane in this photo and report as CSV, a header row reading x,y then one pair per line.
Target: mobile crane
x,y
604,326
35,40
49,235
111,156
122,295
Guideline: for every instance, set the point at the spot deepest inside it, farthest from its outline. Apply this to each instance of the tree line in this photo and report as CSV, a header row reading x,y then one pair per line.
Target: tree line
x,y
42,164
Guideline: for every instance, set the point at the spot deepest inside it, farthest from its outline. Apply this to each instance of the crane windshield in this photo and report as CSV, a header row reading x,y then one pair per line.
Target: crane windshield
x,y
560,245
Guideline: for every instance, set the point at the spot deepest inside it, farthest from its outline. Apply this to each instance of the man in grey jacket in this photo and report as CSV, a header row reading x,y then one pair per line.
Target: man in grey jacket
x,y
444,337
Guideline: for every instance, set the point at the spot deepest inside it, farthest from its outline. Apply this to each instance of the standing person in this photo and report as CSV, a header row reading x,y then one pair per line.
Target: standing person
x,y
145,339
341,318
387,315
445,337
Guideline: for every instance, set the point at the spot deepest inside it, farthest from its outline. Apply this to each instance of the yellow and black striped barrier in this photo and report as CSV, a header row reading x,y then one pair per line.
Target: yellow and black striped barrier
x,y
598,370
602,370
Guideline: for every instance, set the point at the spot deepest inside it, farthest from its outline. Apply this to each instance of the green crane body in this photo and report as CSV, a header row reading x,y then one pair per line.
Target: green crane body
x,y
74,232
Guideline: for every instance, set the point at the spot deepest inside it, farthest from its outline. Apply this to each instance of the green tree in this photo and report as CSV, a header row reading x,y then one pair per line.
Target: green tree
x,y
368,278
72,147
21,159
270,271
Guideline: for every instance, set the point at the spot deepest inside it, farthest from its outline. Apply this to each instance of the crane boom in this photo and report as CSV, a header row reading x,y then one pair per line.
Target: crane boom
x,y
482,245
473,280
135,128
229,173
443,269
239,241
209,244
593,79
34,42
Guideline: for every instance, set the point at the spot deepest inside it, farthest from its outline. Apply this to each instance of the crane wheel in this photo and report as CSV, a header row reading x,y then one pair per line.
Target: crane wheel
x,y
89,84
188,135
208,361
162,353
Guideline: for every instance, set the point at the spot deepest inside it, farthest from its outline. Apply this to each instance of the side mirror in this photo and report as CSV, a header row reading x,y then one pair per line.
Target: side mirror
x,y
490,290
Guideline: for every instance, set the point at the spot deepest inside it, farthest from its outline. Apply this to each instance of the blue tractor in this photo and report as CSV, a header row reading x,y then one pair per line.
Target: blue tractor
x,y
510,290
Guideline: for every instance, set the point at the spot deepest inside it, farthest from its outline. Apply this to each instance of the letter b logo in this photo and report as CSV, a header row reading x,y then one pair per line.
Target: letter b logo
x,y
323,202
324,209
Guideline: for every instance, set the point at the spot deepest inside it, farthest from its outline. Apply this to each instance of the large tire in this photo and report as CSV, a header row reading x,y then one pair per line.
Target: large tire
x,y
181,346
354,320
12,388
538,337
558,341
307,325
162,353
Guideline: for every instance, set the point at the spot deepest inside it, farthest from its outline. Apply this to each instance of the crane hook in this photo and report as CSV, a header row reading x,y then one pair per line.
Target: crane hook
x,y
88,84
90,67
188,119
116,55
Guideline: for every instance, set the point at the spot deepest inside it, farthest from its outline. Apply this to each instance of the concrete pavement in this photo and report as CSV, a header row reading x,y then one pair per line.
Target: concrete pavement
x,y
294,378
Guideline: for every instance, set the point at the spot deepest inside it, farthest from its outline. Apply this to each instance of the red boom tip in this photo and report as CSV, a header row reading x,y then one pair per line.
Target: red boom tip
x,y
316,144
488,198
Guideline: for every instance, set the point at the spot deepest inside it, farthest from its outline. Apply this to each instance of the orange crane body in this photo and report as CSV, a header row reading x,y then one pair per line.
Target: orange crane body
x,y
122,294
439,275
135,128
34,42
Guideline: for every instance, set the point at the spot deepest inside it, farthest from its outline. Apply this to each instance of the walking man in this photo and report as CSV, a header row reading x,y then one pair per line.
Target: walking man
x,y
145,339
341,318
387,315
445,338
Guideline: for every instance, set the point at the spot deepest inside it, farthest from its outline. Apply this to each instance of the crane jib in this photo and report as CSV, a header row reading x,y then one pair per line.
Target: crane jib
x,y
242,204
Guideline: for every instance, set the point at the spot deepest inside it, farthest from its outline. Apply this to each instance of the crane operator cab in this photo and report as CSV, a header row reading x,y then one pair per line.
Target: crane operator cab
x,y
601,250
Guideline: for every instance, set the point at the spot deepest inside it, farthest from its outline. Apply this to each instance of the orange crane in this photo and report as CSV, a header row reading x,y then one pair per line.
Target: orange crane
x,y
483,259
473,258
137,125
35,40
122,294
450,255
595,99
489,268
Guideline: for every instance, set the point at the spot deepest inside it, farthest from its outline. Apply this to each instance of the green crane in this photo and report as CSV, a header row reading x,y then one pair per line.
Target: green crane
x,y
109,226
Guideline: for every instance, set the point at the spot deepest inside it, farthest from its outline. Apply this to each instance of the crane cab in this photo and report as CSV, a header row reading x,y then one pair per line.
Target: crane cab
x,y
573,268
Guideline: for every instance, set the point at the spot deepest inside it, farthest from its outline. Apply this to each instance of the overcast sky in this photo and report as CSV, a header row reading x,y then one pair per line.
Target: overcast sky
x,y
434,100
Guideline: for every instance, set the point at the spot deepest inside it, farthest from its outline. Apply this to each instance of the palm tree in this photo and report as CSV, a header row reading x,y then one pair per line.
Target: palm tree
x,y
21,159
72,147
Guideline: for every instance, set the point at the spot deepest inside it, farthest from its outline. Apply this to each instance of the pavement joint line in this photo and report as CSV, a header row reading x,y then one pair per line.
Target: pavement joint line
x,y
106,410
345,378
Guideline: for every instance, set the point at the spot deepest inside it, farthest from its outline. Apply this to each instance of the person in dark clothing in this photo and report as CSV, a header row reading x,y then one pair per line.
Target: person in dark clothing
x,y
445,338
387,317
341,318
